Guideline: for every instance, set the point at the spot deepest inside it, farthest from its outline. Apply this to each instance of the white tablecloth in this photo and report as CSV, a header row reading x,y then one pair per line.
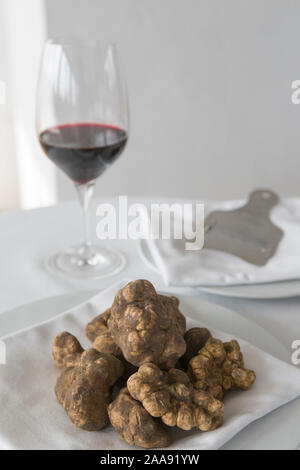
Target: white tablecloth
x,y
28,237
45,426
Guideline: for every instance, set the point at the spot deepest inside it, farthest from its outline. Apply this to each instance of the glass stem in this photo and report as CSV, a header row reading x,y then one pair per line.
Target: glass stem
x,y
85,193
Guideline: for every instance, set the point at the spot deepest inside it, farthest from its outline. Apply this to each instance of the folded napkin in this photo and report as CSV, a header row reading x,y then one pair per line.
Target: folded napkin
x,y
31,417
180,267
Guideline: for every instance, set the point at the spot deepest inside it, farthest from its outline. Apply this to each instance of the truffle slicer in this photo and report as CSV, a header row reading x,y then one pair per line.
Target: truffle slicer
x,y
246,232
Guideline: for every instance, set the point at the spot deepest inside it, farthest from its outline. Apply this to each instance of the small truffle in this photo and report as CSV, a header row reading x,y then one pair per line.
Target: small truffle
x,y
134,425
66,350
99,324
97,331
219,367
195,339
171,396
146,326
105,343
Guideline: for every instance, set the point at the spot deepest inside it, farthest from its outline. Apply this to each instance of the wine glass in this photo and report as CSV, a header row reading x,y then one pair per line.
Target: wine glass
x,y
82,123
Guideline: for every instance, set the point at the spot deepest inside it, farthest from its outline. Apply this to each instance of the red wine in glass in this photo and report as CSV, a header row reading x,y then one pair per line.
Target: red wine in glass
x,y
83,150
82,122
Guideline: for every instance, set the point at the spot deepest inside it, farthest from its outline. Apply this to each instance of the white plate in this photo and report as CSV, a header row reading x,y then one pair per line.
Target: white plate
x,y
211,314
271,290
277,430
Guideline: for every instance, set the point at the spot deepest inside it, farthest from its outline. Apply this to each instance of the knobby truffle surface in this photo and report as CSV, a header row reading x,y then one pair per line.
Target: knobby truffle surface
x,y
171,396
99,324
97,331
146,326
195,339
135,425
219,367
138,342
66,350
84,390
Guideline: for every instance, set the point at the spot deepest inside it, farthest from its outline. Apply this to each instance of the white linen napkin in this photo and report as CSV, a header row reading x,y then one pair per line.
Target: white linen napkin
x,y
31,417
180,267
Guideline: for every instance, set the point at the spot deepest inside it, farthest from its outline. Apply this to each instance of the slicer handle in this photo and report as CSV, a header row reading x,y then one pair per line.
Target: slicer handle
x,y
262,201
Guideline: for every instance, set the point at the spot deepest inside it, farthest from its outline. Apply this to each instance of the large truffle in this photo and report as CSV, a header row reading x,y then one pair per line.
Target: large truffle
x,y
171,396
135,425
219,367
84,390
146,326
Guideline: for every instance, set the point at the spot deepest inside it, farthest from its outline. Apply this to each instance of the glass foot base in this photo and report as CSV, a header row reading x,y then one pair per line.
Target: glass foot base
x,y
86,262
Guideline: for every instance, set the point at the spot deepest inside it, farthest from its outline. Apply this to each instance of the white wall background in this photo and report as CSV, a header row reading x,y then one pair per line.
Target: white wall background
x,y
27,178
210,91
9,194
